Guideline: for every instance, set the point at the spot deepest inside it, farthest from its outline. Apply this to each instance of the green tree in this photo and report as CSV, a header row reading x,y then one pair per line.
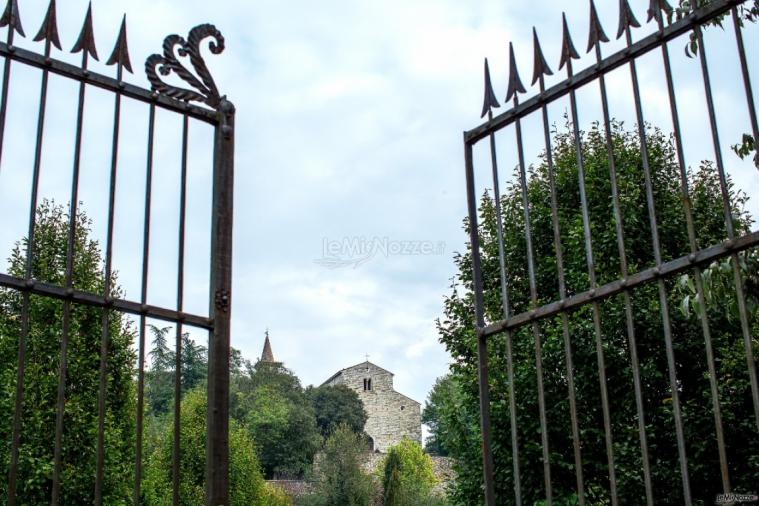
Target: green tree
x,y
43,348
272,404
460,411
440,394
246,484
408,478
340,480
159,379
337,405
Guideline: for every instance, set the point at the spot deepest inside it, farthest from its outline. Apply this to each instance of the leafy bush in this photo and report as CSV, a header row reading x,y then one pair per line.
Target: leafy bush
x,y
340,480
43,351
407,475
247,485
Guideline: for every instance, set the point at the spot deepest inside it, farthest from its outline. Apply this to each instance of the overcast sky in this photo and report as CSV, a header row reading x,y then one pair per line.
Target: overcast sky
x,y
349,122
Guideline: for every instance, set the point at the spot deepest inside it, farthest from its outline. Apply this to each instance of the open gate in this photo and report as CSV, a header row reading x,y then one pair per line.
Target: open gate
x,y
216,111
497,328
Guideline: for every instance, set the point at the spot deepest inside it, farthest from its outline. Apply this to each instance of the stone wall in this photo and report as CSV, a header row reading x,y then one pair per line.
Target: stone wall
x,y
392,415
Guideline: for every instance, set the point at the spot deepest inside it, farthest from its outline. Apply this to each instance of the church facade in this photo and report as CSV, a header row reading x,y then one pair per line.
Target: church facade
x,y
391,415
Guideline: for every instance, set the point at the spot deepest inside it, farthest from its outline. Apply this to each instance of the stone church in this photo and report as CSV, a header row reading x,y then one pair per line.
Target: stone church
x,y
392,415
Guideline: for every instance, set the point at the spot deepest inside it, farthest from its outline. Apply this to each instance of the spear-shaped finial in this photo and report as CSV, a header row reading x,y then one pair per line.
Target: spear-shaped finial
x,y
49,29
626,18
656,7
568,51
597,34
540,66
11,19
490,101
86,41
515,82
120,54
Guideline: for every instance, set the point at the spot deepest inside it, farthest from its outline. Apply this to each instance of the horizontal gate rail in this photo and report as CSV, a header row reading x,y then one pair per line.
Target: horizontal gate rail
x,y
92,299
107,83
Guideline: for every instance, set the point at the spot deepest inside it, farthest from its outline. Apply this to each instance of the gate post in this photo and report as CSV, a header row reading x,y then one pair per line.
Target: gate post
x,y
217,435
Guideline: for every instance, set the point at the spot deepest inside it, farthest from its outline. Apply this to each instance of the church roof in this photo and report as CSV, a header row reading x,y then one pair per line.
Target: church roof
x,y
267,355
364,363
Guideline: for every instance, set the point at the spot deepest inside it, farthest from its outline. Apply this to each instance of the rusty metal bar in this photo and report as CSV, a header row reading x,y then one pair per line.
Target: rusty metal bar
x,y
619,231
143,299
217,443
593,284
506,312
676,266
176,450
16,53
740,295
90,299
569,365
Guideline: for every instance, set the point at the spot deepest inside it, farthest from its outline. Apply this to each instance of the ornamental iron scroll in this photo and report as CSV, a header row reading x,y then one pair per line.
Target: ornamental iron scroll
x,y
167,63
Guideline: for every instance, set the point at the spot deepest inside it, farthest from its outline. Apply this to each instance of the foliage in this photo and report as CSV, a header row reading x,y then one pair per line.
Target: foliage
x,y
271,403
407,476
246,482
432,416
337,405
459,409
340,480
159,379
275,496
43,346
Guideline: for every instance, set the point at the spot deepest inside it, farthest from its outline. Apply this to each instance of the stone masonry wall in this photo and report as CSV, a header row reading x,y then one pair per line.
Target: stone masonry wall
x,y
392,415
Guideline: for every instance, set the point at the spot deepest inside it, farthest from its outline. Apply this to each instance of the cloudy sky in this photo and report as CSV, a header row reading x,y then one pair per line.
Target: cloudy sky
x,y
349,122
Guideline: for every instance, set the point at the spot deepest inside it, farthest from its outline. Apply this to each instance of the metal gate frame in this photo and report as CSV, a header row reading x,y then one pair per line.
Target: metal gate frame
x,y
220,113
689,23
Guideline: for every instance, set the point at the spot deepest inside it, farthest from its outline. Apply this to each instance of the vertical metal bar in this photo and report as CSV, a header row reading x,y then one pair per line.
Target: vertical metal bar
x,y
736,271
630,324
751,363
3,113
534,302
70,251
663,302
29,275
144,300
176,450
696,270
506,315
593,286
105,338
479,309
217,441
576,443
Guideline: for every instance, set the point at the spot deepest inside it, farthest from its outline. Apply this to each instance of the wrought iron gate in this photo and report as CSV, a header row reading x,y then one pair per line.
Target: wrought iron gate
x,y
219,113
563,303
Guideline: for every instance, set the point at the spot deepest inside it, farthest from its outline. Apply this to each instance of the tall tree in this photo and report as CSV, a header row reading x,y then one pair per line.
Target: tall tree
x,y
337,405
272,405
43,348
440,395
460,411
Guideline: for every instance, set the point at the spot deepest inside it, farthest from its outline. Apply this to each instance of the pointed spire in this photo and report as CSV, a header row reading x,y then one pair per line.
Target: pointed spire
x,y
626,18
515,82
86,40
657,6
267,355
49,29
120,54
540,67
597,34
11,18
490,101
568,51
